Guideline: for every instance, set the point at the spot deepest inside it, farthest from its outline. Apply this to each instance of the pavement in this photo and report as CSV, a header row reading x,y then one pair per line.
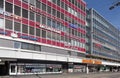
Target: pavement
x,y
72,75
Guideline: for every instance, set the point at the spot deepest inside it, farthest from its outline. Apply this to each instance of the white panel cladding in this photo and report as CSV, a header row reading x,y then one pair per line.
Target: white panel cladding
x,y
61,58
7,53
51,57
39,56
110,63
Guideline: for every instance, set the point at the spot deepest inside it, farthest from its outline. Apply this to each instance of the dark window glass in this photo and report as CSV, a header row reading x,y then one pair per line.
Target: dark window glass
x,y
62,4
43,7
54,12
43,33
43,20
8,24
31,47
58,2
8,7
1,3
32,16
37,48
24,28
24,46
17,10
48,22
24,13
16,44
53,24
54,1
37,32
17,26
58,14
37,18
62,16
38,4
31,30
49,9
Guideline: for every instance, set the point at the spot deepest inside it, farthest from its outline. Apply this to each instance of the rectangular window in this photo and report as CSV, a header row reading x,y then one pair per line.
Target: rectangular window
x,y
53,24
38,4
48,22
62,16
37,48
8,24
49,9
43,7
24,46
25,1
58,14
24,13
31,30
31,47
58,2
38,18
43,33
38,33
44,20
54,12
24,28
8,7
1,3
62,4
17,10
17,44
49,35
32,2
32,15
17,26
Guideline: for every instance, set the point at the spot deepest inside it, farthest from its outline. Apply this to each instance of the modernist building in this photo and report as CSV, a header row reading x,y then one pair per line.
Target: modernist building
x,y
42,36
102,41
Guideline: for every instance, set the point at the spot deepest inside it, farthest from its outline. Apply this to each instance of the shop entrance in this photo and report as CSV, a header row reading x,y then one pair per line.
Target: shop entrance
x,y
4,70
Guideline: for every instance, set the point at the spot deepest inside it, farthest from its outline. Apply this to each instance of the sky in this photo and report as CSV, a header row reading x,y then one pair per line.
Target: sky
x,y
102,6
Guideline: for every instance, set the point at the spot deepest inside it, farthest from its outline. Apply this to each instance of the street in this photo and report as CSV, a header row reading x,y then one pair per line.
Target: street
x,y
92,75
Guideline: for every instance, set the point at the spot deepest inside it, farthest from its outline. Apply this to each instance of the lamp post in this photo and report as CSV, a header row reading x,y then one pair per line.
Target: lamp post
x,y
115,5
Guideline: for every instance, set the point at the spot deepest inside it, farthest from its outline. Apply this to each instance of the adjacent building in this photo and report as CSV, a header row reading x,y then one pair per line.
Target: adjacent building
x,y
102,41
42,36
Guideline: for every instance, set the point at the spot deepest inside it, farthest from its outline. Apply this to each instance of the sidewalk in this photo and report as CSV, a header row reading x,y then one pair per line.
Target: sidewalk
x,y
73,75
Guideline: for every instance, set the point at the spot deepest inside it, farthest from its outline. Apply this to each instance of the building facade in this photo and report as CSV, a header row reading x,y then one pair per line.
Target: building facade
x,y
102,40
42,36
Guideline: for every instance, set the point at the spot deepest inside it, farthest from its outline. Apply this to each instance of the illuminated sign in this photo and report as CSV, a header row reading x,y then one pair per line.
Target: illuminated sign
x,y
50,28
28,37
73,26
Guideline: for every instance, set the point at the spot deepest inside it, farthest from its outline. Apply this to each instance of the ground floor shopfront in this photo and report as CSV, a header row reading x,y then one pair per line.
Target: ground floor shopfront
x,y
27,67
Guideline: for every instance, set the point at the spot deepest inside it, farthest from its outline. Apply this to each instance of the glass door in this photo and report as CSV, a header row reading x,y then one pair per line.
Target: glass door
x,y
13,69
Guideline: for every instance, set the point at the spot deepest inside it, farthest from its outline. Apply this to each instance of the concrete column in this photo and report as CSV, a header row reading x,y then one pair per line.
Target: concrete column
x,y
87,69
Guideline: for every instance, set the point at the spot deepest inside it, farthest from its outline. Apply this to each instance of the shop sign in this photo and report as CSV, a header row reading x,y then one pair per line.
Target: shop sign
x,y
50,28
2,32
90,61
73,26
28,37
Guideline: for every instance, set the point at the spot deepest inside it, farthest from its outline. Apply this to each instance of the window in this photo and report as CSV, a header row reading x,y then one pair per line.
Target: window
x,y
32,15
58,14
17,10
6,43
43,7
8,7
53,24
1,23
38,33
24,13
32,2
49,35
37,48
48,22
24,46
54,12
1,3
54,36
31,47
37,18
38,4
43,20
49,9
62,16
16,44
62,4
17,26
8,24
58,2
24,28
31,30
43,33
